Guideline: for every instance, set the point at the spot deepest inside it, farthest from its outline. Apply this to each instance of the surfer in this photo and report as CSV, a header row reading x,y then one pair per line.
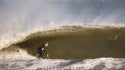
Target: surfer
x,y
42,50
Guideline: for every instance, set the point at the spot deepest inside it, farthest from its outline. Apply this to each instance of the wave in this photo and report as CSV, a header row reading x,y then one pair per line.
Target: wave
x,y
71,42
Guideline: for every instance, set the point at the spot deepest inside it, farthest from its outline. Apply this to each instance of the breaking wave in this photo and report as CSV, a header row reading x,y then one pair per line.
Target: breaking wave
x,y
67,42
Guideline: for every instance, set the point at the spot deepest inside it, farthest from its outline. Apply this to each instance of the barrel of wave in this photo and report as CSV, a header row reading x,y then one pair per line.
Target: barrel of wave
x,y
13,52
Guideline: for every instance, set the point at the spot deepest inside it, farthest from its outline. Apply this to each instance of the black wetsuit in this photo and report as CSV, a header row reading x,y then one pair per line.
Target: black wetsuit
x,y
41,51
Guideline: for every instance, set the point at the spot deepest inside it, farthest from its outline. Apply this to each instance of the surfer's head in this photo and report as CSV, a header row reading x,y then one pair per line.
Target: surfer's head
x,y
46,44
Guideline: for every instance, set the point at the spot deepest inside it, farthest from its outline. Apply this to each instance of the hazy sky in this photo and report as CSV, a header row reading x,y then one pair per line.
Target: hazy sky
x,y
27,14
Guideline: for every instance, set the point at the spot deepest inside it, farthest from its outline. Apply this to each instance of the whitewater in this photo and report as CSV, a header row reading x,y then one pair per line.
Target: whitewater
x,y
60,64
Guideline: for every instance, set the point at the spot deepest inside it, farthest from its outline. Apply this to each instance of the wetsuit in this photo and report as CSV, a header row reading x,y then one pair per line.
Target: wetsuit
x,y
41,51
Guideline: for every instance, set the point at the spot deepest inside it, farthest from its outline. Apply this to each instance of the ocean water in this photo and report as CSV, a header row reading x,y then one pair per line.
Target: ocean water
x,y
87,34
70,47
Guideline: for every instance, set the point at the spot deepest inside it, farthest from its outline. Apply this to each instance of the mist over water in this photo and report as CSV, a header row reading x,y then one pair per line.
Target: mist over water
x,y
20,18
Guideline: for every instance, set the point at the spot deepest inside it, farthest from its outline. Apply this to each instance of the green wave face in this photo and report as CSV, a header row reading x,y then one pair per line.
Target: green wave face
x,y
78,42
